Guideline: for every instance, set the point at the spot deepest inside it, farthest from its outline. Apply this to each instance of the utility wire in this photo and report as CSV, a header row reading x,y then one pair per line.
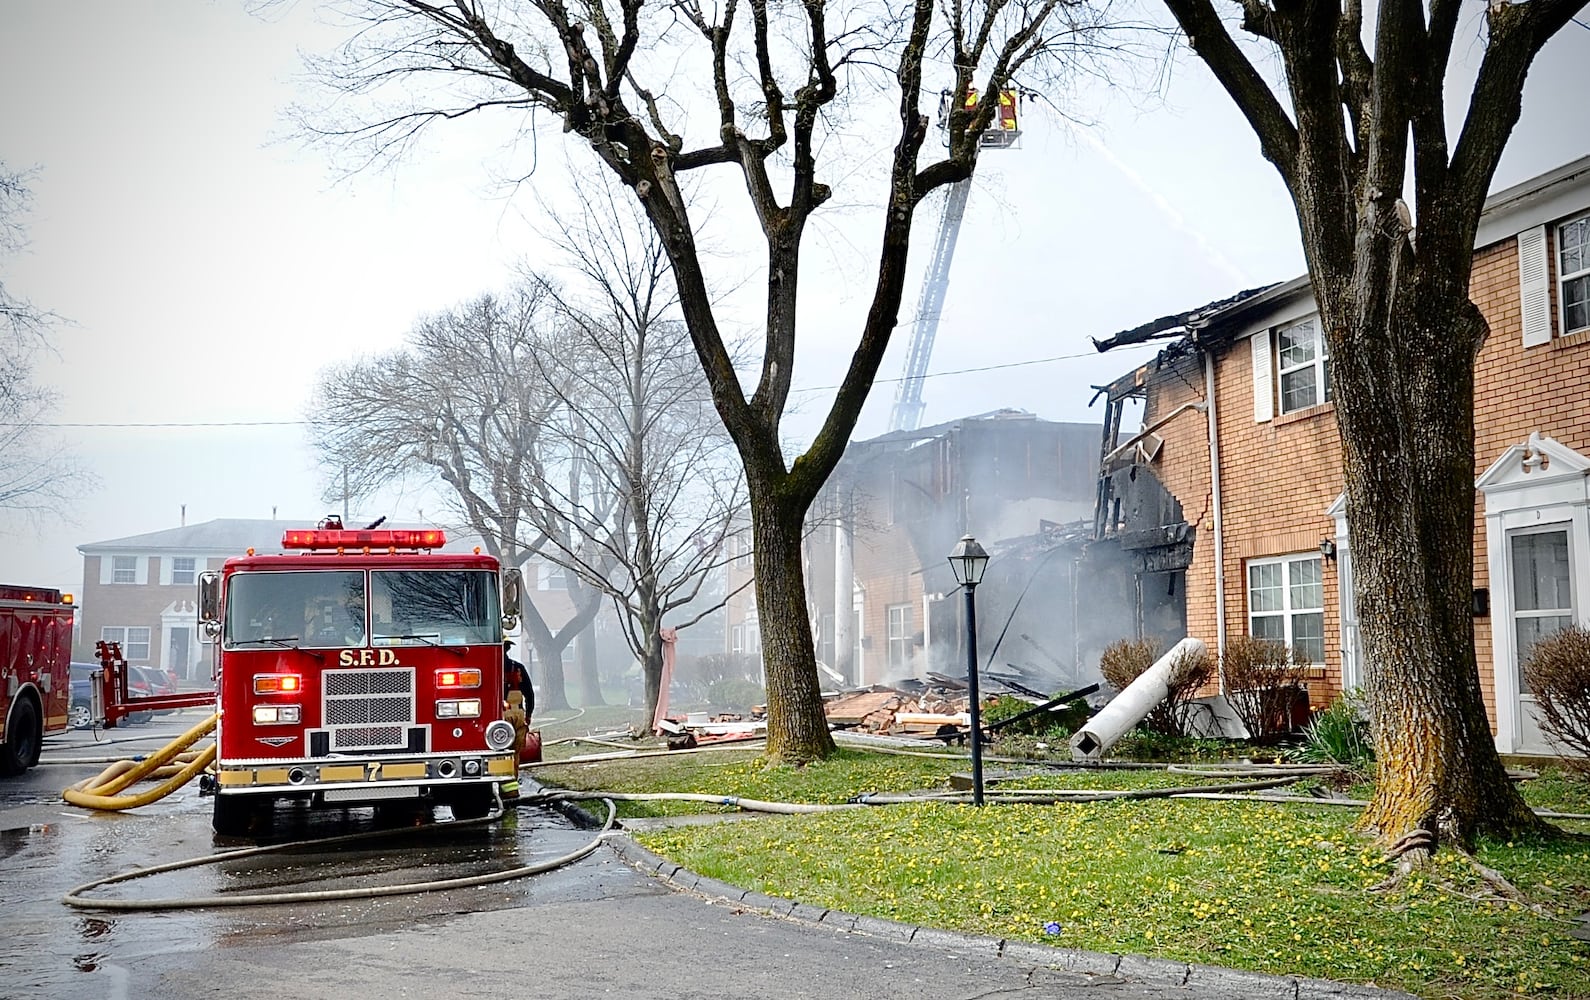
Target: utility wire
x,y
811,388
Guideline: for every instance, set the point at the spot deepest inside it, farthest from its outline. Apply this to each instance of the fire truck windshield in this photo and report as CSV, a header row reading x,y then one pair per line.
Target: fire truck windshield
x,y
323,609
434,607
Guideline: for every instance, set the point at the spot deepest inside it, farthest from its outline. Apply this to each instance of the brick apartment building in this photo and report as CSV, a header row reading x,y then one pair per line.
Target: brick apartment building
x,y
881,532
1234,487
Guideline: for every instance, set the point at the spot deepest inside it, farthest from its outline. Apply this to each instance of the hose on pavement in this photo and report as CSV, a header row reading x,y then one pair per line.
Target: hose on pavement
x,y
102,790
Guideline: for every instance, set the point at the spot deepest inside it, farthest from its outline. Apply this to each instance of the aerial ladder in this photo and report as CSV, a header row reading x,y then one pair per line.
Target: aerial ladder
x,y
1002,133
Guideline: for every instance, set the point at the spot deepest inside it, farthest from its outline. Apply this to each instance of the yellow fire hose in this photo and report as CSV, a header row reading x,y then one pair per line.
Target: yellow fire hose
x,y
101,791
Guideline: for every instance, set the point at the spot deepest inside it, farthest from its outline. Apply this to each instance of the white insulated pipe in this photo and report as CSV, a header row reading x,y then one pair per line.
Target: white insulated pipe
x,y
1126,709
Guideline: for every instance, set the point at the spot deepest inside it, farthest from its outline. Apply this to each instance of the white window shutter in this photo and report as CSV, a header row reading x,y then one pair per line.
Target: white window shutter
x,y
1534,292
105,571
1263,382
141,574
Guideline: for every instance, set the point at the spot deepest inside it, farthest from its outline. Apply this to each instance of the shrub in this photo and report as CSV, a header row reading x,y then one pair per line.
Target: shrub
x,y
1558,674
1262,680
1339,735
1063,720
729,694
1124,660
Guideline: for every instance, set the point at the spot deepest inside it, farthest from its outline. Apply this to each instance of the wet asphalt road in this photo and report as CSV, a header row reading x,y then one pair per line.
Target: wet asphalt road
x,y
595,928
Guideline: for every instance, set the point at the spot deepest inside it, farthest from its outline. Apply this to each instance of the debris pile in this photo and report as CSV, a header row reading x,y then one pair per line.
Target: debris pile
x,y
935,710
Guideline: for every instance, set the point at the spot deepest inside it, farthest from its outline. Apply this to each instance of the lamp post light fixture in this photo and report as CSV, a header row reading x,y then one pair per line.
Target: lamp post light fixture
x,y
968,562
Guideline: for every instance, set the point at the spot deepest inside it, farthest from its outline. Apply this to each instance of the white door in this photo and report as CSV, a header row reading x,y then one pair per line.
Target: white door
x,y
1540,564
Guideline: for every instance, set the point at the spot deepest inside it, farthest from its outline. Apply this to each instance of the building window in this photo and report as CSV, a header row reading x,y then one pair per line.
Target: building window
x,y
825,639
899,621
736,638
134,640
1573,274
1304,365
1542,589
182,570
123,569
1286,602
551,576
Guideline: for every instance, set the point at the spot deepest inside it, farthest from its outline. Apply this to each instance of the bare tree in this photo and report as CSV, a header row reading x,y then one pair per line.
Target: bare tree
x,y
465,405
1345,133
37,475
631,79
642,421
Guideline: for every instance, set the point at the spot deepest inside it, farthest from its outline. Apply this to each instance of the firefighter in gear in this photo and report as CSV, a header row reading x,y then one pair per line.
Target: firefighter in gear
x,y
516,677
521,700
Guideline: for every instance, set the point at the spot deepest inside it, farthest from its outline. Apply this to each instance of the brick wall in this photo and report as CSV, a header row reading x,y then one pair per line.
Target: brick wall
x,y
1518,390
1278,477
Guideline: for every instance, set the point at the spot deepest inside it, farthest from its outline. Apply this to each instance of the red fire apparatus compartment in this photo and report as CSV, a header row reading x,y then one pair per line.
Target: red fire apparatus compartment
x,y
35,671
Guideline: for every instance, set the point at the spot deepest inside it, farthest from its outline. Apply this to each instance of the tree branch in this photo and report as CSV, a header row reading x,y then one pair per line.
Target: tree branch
x,y
1258,104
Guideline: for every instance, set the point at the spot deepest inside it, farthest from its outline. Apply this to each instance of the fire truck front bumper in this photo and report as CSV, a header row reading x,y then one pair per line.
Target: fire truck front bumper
x,y
343,780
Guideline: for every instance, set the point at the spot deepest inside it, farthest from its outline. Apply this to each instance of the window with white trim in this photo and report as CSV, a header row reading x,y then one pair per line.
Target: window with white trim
x,y
1303,364
551,576
1573,274
1286,602
825,638
134,640
1542,589
183,570
899,621
123,569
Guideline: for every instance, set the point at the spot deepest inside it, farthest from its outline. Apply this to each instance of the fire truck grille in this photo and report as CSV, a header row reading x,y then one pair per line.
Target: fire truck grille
x,y
369,698
366,737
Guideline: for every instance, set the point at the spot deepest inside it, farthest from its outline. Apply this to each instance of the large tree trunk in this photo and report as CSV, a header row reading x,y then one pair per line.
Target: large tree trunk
x,y
552,693
797,729
590,673
1404,393
651,665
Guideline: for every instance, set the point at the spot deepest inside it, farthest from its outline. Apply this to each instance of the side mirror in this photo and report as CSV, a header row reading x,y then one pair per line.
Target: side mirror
x,y
512,598
210,600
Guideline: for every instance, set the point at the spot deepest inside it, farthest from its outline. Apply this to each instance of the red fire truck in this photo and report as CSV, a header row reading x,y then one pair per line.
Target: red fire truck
x,y
35,672
359,666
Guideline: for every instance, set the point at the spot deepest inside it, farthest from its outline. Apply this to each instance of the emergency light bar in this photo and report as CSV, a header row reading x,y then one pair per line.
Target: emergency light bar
x,y
322,538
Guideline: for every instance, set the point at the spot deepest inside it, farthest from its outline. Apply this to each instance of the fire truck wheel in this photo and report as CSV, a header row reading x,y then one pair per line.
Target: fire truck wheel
x,y
234,814
23,739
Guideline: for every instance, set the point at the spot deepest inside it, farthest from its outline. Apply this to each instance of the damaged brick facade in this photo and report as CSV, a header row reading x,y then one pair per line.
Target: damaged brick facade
x,y
1285,554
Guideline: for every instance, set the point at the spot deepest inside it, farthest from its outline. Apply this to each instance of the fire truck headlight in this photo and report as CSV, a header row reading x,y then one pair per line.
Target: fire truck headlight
x,y
461,708
274,715
499,735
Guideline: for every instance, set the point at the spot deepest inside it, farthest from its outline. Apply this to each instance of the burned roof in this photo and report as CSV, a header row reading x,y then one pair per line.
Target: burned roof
x,y
1177,324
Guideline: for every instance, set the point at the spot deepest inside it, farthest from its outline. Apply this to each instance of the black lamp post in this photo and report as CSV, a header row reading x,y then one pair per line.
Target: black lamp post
x,y
968,562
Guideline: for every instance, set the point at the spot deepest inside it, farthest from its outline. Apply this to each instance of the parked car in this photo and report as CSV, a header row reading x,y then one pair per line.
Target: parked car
x,y
154,682
81,713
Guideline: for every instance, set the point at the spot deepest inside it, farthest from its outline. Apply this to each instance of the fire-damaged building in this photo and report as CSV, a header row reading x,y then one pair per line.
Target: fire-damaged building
x,y
879,583
1228,504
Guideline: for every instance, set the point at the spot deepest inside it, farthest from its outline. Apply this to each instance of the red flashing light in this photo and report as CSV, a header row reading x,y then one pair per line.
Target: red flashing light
x,y
276,683
391,539
458,678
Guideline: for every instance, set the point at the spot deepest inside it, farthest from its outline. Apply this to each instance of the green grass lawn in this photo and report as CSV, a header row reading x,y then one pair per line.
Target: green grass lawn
x,y
1284,889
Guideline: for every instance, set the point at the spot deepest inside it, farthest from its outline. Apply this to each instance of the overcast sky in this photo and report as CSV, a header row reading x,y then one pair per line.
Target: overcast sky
x,y
208,266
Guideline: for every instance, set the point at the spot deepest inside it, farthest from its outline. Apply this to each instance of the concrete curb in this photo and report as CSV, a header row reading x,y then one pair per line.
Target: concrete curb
x,y
1136,968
